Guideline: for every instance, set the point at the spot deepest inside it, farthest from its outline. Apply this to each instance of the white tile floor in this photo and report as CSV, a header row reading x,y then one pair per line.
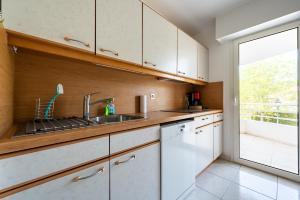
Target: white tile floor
x,y
230,181
269,152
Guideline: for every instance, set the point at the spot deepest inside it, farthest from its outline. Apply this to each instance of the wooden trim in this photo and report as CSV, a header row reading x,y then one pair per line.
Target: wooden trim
x,y
42,180
37,44
133,129
33,150
218,122
197,127
126,151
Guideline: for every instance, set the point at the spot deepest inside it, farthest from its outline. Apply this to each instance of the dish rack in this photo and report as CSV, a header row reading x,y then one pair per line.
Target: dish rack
x,y
40,109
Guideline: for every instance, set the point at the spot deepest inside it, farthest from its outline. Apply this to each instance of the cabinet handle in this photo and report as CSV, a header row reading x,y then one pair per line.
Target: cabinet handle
x,y
71,39
79,178
197,132
180,72
107,50
125,161
150,63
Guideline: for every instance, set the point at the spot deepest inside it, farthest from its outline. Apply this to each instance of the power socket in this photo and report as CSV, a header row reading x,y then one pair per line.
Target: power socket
x,y
152,96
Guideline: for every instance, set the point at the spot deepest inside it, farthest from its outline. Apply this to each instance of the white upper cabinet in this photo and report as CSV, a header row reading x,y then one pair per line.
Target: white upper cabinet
x,y
159,42
71,22
202,63
119,29
187,55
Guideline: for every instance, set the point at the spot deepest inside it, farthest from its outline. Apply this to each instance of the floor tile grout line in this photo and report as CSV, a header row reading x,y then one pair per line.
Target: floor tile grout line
x,y
197,186
226,190
244,186
255,191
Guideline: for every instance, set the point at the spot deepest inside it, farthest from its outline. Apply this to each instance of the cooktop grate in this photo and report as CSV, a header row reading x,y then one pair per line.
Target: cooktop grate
x,y
48,125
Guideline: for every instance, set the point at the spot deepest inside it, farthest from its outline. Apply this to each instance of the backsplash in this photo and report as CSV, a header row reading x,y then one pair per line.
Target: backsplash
x,y
36,75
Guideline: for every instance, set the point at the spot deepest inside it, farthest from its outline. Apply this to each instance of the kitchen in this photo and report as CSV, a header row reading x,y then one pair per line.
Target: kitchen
x,y
116,100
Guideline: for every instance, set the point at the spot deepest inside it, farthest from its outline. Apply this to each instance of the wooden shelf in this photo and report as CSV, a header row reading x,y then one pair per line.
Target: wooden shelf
x,y
41,45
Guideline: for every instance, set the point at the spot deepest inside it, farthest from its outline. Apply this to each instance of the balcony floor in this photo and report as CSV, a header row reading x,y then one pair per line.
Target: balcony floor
x,y
268,152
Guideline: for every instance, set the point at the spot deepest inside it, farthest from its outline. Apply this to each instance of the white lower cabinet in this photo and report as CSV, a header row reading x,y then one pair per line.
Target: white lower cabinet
x,y
218,132
204,147
88,184
136,175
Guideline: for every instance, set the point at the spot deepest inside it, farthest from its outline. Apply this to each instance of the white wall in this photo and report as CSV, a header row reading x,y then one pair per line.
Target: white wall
x,y
221,59
255,16
275,132
221,69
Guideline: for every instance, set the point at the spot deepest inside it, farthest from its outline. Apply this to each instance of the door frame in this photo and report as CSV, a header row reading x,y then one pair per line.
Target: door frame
x,y
268,169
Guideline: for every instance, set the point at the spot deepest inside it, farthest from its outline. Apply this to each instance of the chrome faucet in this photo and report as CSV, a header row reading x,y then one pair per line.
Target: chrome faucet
x,y
87,103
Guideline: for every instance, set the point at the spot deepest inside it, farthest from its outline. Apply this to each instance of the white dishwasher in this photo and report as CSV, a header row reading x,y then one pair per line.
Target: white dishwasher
x,y
178,159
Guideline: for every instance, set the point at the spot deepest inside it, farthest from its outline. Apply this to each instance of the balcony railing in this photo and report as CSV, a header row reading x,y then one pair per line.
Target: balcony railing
x,y
270,112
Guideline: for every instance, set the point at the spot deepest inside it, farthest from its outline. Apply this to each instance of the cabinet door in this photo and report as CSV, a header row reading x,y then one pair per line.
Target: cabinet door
x,y
66,156
218,132
159,42
93,186
187,55
119,29
136,175
202,63
70,22
204,145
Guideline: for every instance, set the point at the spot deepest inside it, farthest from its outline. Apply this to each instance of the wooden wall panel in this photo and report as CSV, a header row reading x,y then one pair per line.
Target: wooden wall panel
x,y
37,76
212,95
6,84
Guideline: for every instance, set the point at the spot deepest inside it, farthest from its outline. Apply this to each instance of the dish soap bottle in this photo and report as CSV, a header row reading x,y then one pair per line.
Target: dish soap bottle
x,y
110,108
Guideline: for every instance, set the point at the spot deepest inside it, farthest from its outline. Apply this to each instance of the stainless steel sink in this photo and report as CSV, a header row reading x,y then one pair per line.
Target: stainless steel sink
x,y
114,119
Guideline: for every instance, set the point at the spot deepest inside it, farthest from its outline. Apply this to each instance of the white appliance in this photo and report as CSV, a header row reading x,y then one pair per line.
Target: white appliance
x,y
177,159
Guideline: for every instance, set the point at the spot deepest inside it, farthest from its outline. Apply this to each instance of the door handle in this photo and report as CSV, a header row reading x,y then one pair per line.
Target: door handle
x,y
125,161
79,178
66,38
150,63
180,72
107,50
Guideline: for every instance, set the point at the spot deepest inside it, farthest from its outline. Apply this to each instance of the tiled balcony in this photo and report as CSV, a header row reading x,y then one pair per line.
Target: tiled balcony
x,y
271,144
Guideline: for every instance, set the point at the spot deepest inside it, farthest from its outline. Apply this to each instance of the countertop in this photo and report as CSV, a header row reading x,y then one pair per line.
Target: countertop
x,y
14,144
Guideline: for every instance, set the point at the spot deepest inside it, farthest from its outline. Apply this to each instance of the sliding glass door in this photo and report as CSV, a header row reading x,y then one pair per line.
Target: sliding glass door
x,y
266,86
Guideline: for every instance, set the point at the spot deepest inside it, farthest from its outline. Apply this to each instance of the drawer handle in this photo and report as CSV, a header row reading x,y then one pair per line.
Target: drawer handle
x,y
180,72
125,161
79,178
66,38
150,63
107,50
197,132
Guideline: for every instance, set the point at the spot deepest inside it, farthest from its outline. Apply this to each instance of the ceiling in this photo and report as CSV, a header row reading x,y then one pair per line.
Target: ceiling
x,y
192,15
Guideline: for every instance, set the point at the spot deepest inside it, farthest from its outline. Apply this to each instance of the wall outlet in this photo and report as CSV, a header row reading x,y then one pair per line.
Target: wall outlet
x,y
152,96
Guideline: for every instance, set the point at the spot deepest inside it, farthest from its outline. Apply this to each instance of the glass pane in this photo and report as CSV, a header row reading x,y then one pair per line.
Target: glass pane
x,y
268,87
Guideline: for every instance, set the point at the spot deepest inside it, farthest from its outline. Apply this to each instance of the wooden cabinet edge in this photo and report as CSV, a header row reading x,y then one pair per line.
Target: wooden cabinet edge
x,y
42,45
51,146
41,180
